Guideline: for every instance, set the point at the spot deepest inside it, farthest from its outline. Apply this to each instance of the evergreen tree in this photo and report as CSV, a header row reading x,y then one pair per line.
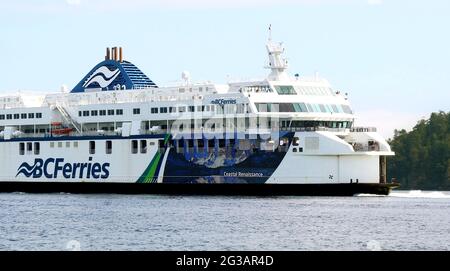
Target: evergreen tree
x,y
422,156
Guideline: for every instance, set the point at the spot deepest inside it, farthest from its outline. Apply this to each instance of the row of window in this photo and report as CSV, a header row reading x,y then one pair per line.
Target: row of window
x,y
317,91
303,107
200,89
285,90
67,144
286,124
229,109
137,146
291,90
256,89
103,112
29,147
21,116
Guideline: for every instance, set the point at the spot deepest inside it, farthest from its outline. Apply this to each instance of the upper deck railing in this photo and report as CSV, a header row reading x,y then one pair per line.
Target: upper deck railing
x,y
363,130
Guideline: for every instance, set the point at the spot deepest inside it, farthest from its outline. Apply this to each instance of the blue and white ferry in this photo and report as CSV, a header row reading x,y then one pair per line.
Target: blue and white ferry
x,y
117,131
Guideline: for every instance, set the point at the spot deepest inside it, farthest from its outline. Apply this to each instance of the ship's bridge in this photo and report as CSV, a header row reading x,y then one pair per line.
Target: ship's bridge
x,y
114,73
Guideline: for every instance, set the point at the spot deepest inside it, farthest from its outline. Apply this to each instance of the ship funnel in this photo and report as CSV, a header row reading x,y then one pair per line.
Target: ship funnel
x,y
108,54
114,53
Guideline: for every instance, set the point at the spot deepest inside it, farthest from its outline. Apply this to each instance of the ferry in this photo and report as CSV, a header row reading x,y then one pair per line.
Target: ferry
x,y
117,131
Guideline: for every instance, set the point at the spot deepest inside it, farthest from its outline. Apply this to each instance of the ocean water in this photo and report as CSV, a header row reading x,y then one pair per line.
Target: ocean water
x,y
405,220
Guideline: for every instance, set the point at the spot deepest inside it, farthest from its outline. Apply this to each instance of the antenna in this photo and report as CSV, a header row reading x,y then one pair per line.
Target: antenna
x,y
270,32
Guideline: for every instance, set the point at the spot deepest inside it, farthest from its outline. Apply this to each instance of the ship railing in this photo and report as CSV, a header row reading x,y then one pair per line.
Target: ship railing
x,y
106,97
315,129
363,130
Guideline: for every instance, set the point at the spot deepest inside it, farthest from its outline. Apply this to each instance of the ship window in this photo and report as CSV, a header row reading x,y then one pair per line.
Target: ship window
x,y
346,109
136,111
16,116
38,115
37,148
108,147
52,144
8,116
91,147
303,107
67,144
285,90
221,143
300,149
23,115
59,144
80,113
322,108
335,109
94,113
102,112
285,108
111,112
296,141
22,148
163,109
172,109
2,117
191,108
29,147
119,112
201,108
180,143
134,146
154,110
317,108
75,144
182,109
143,146
85,113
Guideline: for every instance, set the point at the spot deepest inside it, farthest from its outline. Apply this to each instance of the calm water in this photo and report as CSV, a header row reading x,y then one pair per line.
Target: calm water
x,y
411,220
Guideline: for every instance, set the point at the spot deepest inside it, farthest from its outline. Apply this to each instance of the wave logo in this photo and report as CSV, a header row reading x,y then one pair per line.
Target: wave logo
x,y
26,169
53,168
102,76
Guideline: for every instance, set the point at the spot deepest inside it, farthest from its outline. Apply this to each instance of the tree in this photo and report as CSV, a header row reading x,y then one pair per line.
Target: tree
x,y
422,159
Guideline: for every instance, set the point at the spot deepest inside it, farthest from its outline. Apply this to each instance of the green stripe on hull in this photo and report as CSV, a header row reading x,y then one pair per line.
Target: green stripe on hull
x,y
149,173
152,170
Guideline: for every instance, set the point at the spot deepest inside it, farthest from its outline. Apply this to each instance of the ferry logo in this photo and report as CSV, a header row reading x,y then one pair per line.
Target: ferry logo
x,y
26,169
223,101
54,167
102,76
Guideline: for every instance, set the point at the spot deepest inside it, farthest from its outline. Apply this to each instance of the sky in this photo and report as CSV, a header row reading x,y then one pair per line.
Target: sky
x,y
391,56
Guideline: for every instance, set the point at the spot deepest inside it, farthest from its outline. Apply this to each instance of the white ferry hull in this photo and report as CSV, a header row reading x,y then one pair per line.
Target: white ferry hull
x,y
68,165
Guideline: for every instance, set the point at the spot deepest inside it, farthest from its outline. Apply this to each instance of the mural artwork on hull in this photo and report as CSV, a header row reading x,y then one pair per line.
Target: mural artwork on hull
x,y
221,165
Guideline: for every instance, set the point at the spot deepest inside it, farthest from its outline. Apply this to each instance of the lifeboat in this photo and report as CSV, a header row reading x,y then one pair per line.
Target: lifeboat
x,y
58,129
